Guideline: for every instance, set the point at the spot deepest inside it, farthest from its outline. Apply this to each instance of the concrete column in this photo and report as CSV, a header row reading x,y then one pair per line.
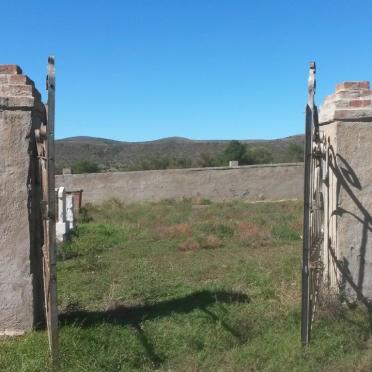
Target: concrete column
x,y
21,286
346,120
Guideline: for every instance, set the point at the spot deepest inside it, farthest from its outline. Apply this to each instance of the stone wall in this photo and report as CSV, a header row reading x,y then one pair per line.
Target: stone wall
x,y
21,112
251,183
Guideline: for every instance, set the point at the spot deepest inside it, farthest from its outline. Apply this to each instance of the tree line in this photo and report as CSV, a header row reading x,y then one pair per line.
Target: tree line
x,y
236,151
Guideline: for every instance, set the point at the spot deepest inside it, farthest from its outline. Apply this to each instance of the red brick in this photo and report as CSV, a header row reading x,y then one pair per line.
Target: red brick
x,y
10,69
19,79
353,85
360,102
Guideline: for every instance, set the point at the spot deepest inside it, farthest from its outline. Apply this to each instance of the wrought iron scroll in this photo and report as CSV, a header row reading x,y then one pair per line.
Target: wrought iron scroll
x,y
314,231
45,148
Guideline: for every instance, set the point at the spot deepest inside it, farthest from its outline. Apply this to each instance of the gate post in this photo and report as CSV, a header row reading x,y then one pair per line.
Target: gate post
x,y
346,120
21,283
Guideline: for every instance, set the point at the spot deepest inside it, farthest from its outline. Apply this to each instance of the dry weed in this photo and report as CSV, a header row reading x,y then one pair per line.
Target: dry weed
x,y
173,231
249,230
298,224
329,305
211,241
189,245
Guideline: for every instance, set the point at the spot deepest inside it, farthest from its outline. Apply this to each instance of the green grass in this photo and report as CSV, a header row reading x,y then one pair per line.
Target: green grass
x,y
189,287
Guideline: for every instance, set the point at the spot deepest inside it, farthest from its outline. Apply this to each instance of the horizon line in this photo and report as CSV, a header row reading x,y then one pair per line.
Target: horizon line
x,y
179,138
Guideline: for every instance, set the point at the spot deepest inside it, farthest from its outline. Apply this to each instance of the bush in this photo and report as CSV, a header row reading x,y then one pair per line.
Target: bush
x,y
84,166
258,155
235,151
296,152
207,160
246,155
161,163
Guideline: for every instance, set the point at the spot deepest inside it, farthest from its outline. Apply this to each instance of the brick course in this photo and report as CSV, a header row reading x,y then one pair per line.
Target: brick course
x,y
10,69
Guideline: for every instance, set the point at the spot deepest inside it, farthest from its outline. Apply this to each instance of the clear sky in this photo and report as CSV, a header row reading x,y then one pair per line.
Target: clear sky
x,y
204,69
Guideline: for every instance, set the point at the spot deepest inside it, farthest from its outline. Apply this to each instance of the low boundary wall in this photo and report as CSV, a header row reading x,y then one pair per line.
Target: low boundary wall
x,y
251,183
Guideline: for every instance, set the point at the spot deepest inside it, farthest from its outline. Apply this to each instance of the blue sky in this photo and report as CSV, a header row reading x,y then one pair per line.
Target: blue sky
x,y
204,69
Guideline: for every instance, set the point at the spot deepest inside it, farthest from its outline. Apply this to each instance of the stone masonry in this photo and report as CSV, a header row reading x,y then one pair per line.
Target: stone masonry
x,y
249,183
346,120
21,286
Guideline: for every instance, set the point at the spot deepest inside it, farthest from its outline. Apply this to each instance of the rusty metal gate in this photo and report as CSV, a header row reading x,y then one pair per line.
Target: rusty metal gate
x,y
315,228
45,149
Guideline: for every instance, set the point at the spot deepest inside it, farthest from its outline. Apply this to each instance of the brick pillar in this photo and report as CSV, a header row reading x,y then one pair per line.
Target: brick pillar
x,y
21,112
346,120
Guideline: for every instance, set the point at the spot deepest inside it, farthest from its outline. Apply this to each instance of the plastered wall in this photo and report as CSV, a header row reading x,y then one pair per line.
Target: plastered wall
x,y
251,183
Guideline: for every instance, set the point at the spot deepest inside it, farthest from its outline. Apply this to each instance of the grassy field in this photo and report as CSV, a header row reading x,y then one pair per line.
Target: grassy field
x,y
183,286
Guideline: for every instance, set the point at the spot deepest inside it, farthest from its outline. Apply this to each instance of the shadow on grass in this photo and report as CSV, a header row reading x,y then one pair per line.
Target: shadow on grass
x,y
133,316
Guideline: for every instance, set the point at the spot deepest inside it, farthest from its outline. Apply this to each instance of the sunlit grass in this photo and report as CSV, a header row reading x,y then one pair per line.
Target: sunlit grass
x,y
187,286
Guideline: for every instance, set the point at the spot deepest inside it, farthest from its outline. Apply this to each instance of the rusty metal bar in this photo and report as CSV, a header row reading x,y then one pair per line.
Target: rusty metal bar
x,y
51,292
306,313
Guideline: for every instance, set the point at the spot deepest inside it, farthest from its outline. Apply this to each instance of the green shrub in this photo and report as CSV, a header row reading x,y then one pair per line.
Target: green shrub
x,y
296,152
245,154
84,166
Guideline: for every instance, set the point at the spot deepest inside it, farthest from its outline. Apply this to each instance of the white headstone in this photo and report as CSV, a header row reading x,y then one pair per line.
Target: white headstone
x,y
70,220
233,164
61,226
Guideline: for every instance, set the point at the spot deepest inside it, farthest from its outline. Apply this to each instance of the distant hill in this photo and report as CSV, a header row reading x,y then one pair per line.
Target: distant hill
x,y
116,155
